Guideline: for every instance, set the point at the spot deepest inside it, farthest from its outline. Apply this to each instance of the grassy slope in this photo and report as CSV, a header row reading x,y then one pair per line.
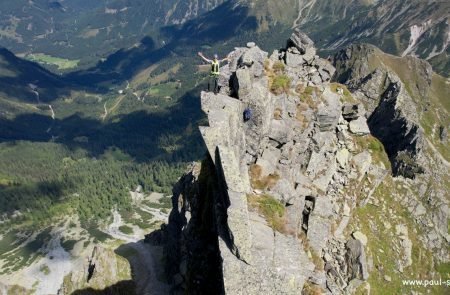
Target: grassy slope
x,y
378,219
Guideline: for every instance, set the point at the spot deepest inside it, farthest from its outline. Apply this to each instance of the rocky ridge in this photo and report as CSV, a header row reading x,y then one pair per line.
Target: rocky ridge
x,y
301,150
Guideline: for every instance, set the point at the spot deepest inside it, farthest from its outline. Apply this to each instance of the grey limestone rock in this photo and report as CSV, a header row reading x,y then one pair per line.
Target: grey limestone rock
x,y
253,56
301,41
356,260
304,137
350,111
359,126
310,55
443,133
294,59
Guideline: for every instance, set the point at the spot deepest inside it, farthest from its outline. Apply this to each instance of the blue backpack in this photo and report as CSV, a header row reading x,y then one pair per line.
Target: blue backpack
x,y
247,114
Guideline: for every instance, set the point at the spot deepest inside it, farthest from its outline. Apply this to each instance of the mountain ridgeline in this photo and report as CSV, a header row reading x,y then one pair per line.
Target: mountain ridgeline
x,y
73,30
329,188
337,184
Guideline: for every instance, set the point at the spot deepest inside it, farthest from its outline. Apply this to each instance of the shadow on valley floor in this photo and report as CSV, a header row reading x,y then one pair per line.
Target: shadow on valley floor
x,y
147,270
218,25
169,135
147,265
28,82
39,196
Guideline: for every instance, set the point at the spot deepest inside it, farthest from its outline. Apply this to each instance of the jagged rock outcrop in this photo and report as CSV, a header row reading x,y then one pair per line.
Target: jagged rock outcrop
x,y
302,150
393,115
101,270
293,149
403,97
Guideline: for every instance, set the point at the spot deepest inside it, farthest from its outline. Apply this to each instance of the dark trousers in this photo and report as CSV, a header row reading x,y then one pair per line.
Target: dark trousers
x,y
213,83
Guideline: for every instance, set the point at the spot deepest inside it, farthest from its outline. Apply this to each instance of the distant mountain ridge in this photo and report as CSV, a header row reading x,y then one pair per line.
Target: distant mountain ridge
x,y
76,29
419,28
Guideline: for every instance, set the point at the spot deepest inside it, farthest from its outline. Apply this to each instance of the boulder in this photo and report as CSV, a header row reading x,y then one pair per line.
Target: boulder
x,y
319,278
327,120
315,78
275,56
355,258
300,40
359,126
280,131
310,55
350,111
283,190
360,237
406,245
325,66
353,286
242,83
268,160
294,60
253,55
342,157
324,75
362,161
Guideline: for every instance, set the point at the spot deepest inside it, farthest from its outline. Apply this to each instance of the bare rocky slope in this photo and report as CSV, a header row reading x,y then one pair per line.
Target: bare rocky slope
x,y
328,188
411,27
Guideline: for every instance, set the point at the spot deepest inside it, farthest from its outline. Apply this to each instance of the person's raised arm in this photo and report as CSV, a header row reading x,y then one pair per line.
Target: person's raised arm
x,y
203,57
228,59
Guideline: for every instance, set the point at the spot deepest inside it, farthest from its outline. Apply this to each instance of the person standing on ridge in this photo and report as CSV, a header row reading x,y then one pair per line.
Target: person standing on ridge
x,y
213,81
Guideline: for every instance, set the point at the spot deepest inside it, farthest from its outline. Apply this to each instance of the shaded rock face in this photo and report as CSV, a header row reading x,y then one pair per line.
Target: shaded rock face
x,y
102,270
391,110
400,136
356,260
190,238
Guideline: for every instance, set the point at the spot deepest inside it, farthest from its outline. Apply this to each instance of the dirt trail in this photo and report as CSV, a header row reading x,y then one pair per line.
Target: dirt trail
x,y
53,118
309,5
105,114
52,111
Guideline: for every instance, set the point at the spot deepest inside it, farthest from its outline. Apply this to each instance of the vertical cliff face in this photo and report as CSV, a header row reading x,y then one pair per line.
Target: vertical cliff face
x,y
276,205
192,252
393,112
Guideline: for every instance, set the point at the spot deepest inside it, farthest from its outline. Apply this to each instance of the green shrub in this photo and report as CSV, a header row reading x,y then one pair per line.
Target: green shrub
x,y
45,269
278,67
280,83
272,209
126,229
375,145
444,270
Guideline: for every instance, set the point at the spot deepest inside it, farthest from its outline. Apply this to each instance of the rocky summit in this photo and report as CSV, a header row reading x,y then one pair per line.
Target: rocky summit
x,y
328,187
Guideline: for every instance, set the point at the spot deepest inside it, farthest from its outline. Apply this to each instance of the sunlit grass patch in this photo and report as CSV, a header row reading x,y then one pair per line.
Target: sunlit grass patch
x,y
272,210
61,63
262,182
